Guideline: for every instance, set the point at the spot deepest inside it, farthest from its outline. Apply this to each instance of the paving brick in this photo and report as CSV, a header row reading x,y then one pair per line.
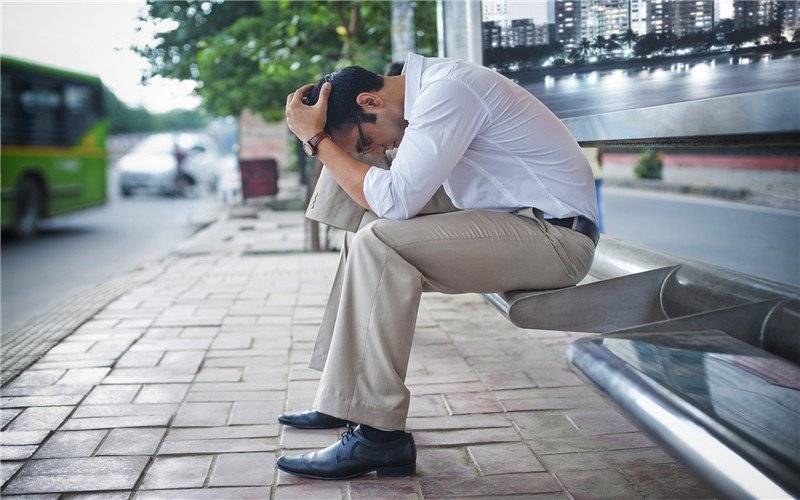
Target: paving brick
x,y
577,444
666,481
111,394
217,446
543,424
37,378
465,436
232,342
462,404
237,396
26,401
446,378
49,390
125,410
379,488
606,483
83,376
243,469
318,490
254,385
554,378
139,359
219,375
605,459
162,393
147,376
8,469
10,438
457,422
227,432
177,472
256,412
17,452
187,361
546,392
202,415
427,406
40,418
94,362
65,444
567,403
132,441
77,474
600,422
444,462
457,387
7,415
71,347
206,494
504,458
115,422
506,484
508,380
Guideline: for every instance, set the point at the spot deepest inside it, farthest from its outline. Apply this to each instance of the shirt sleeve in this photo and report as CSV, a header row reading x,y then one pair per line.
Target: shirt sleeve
x,y
443,122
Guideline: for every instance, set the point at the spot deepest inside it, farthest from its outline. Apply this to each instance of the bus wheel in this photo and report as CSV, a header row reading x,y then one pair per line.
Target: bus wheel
x,y
29,204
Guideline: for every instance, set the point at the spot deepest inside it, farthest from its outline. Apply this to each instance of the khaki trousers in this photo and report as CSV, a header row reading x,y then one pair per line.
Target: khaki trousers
x,y
366,333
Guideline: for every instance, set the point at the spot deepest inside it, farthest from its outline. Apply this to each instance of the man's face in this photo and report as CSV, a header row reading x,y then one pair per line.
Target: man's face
x,y
371,139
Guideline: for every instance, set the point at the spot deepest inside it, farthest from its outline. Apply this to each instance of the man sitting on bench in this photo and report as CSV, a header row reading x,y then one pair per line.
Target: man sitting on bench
x,y
526,220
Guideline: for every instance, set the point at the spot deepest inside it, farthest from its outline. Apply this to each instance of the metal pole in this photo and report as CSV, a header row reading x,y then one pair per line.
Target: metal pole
x,y
402,29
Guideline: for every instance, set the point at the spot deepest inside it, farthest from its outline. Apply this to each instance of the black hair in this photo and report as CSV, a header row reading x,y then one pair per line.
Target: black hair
x,y
346,84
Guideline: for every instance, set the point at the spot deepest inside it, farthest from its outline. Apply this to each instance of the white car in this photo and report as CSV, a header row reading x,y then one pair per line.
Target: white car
x,y
152,164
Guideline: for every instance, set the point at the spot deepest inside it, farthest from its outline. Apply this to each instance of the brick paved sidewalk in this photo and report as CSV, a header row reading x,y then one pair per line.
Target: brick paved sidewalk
x,y
172,391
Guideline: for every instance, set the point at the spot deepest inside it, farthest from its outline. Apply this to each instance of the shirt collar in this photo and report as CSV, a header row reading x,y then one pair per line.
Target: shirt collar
x,y
412,69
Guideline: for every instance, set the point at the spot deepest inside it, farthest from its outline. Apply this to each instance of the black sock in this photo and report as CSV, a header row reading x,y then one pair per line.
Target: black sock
x,y
378,435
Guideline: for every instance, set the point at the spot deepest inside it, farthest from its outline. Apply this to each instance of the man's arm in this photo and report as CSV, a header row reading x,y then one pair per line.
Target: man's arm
x,y
348,172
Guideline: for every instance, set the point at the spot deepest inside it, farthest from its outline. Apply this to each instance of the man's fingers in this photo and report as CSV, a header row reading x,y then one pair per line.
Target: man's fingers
x,y
324,93
299,93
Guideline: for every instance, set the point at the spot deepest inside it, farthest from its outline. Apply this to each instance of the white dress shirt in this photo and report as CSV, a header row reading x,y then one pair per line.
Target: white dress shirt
x,y
488,141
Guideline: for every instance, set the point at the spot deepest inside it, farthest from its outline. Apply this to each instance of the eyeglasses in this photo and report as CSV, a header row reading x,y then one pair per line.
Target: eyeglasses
x,y
363,144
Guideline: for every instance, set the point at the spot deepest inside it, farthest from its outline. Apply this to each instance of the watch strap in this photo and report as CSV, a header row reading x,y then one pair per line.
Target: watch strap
x,y
315,140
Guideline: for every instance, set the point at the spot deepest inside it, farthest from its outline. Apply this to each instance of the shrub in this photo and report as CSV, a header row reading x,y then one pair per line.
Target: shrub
x,y
649,166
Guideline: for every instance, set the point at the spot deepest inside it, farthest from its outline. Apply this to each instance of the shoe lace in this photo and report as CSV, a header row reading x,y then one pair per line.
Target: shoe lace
x,y
348,433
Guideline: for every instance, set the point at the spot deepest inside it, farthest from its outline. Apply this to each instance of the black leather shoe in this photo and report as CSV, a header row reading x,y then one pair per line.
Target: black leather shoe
x,y
311,419
355,455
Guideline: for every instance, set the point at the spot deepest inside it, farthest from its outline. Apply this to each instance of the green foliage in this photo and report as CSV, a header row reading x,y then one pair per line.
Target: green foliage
x,y
253,54
124,119
650,165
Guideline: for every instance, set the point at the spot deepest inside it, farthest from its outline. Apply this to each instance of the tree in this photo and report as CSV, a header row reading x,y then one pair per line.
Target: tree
x,y
599,44
612,43
252,54
629,38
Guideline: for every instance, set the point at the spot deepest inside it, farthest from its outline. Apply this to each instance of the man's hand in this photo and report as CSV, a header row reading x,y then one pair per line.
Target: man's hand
x,y
306,121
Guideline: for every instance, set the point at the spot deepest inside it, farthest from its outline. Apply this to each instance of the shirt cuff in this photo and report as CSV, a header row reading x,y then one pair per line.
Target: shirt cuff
x,y
377,190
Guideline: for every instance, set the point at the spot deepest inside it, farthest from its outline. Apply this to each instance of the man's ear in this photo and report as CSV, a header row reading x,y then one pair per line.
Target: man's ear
x,y
369,100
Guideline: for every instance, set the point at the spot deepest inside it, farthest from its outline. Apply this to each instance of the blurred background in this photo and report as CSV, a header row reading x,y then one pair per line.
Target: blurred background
x,y
127,127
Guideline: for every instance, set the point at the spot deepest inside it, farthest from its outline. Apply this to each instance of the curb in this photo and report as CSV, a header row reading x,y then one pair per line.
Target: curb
x,y
660,186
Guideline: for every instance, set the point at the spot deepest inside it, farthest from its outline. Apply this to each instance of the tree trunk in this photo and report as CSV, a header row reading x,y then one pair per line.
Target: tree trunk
x,y
312,225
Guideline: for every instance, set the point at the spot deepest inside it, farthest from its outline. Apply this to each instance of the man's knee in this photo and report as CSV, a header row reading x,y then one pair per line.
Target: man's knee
x,y
372,233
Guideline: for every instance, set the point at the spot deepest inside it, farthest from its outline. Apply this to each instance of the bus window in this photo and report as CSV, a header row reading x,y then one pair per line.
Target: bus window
x,y
41,106
9,111
81,111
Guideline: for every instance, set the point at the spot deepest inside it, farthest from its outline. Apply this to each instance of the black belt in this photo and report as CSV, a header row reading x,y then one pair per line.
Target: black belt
x,y
580,224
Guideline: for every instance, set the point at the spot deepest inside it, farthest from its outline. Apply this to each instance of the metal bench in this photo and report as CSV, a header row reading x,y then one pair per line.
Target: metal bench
x,y
702,358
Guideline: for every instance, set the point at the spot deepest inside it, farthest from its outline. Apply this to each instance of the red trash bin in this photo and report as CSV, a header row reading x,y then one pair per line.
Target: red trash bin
x,y
259,177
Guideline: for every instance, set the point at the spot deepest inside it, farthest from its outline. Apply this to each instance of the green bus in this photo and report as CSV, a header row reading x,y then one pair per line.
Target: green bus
x,y
53,155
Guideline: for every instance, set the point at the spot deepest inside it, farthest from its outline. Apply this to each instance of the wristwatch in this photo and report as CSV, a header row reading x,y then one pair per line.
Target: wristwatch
x,y
311,145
